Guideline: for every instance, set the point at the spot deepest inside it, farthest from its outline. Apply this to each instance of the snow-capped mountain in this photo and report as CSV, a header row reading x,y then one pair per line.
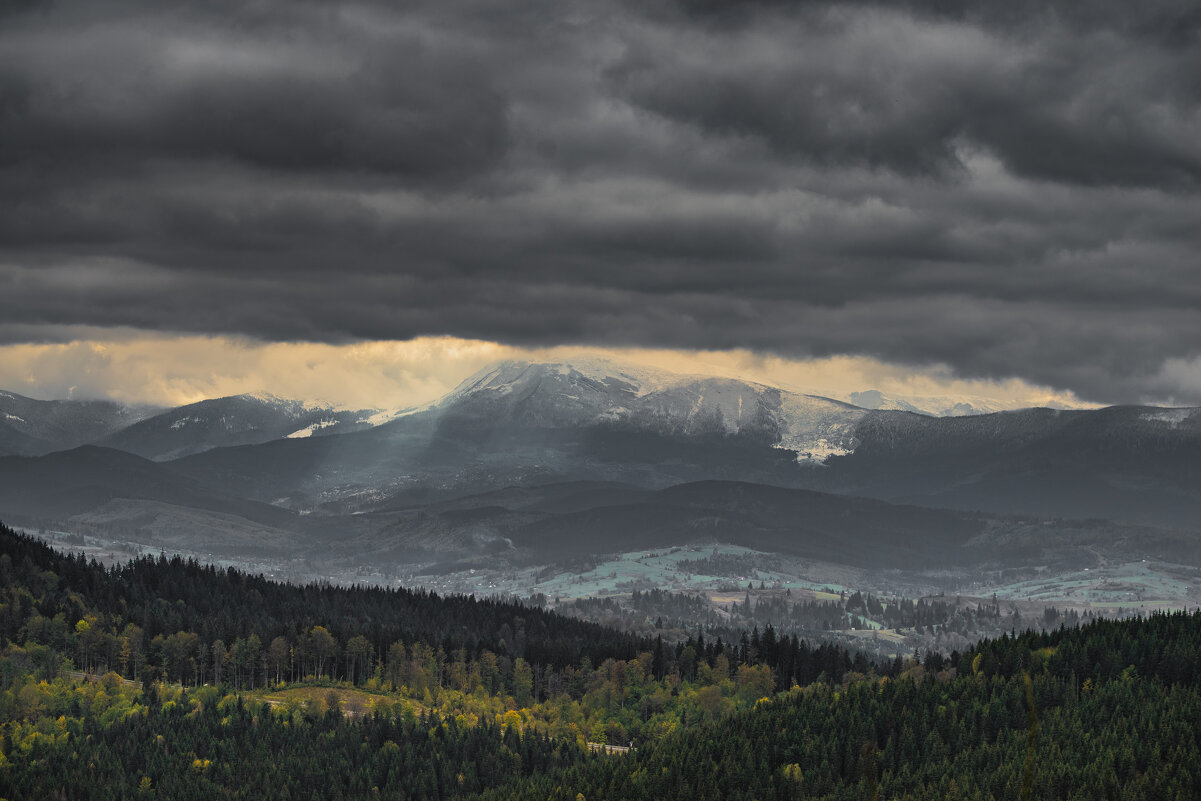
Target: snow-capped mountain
x,y
31,427
1127,463
592,392
524,424
236,420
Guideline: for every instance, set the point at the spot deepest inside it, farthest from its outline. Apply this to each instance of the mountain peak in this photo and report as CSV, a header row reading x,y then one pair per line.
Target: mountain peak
x,y
283,404
591,391
509,376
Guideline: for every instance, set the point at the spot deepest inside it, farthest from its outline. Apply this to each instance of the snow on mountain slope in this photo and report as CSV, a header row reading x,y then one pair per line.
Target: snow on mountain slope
x,y
312,428
599,391
1175,418
817,428
512,376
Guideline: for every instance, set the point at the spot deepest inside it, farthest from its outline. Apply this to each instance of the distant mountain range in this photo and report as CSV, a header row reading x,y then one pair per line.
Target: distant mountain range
x,y
938,405
276,469
31,427
238,420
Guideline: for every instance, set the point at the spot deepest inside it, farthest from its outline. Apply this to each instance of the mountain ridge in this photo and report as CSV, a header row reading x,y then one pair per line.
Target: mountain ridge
x,y
30,427
252,418
531,423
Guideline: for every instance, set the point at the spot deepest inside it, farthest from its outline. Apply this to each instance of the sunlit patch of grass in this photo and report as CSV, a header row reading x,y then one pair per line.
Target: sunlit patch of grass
x,y
318,696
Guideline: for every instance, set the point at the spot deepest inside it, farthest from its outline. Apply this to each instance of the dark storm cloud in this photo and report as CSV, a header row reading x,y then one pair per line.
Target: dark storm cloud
x,y
885,88
110,93
1010,189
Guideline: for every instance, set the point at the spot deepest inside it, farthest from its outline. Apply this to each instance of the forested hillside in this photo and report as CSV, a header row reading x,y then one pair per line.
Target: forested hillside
x,y
1109,710
148,598
210,683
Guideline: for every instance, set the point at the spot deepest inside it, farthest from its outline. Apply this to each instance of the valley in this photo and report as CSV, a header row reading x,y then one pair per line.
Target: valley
x,y
557,483
722,589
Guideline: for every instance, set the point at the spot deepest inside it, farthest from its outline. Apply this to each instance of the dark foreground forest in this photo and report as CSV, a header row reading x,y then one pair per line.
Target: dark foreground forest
x,y
164,678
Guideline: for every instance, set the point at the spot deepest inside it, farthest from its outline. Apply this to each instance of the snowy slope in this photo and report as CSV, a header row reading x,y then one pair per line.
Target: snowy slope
x,y
597,391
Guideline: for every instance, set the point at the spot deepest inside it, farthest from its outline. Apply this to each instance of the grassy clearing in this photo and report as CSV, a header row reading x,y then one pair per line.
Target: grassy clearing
x,y
352,700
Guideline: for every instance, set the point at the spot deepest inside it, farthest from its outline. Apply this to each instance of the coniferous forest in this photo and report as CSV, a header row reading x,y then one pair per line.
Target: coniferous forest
x,y
164,678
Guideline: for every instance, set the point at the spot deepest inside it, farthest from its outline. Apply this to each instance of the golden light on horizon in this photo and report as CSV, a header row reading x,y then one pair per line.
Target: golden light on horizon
x,y
166,370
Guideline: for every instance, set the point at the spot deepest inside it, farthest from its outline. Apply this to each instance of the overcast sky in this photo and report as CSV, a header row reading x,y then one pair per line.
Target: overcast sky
x,y
992,192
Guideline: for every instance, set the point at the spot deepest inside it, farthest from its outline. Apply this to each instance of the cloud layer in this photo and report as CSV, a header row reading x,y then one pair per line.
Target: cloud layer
x,y
1011,190
136,368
